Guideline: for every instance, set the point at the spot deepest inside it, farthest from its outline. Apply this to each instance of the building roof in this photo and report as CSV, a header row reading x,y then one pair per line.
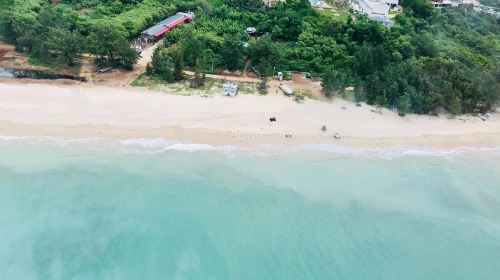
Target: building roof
x,y
165,25
374,9
393,2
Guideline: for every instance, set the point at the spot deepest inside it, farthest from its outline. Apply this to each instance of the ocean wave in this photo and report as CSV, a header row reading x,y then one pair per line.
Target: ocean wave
x,y
149,143
397,150
164,145
132,144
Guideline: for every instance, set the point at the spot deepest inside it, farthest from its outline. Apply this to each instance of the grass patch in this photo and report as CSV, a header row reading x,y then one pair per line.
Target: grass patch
x,y
55,65
243,89
301,96
178,88
349,95
209,89
339,11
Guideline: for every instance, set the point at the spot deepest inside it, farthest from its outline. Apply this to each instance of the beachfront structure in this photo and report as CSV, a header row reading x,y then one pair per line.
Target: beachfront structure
x,y
377,10
157,31
229,89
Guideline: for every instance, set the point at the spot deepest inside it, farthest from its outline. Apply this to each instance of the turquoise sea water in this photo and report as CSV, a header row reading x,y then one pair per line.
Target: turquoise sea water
x,y
154,210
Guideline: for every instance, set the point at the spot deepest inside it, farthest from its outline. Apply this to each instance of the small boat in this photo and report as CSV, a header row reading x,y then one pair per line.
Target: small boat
x,y
288,91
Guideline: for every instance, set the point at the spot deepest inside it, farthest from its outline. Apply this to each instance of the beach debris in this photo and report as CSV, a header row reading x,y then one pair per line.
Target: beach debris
x,y
344,107
337,136
104,69
263,85
288,135
484,117
358,104
323,128
272,119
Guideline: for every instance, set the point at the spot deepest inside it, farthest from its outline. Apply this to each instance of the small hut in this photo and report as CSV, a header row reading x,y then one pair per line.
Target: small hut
x,y
229,89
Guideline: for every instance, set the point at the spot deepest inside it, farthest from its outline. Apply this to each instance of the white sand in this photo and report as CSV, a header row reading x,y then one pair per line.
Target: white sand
x,y
83,112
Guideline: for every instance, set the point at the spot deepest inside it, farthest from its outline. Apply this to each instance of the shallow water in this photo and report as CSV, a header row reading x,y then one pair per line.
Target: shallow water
x,y
158,210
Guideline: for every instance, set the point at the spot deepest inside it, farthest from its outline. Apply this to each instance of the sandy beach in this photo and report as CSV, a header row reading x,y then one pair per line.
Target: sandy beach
x,y
83,111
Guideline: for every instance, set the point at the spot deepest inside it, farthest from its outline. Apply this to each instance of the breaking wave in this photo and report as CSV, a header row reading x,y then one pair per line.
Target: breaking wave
x,y
164,145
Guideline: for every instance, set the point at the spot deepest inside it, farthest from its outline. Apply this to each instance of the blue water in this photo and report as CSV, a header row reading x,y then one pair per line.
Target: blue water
x,y
109,210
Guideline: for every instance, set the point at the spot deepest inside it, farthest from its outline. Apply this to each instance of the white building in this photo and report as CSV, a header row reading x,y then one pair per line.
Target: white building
x,y
438,4
319,4
374,9
393,4
377,10
270,3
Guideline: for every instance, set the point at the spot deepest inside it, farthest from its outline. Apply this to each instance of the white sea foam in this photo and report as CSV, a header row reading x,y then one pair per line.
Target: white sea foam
x,y
398,150
163,145
154,143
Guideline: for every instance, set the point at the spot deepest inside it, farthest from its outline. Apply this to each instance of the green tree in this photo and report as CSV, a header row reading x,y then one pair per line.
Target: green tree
x,y
178,64
419,8
161,65
359,92
264,55
333,81
232,52
8,26
66,44
111,47
192,48
199,75
404,104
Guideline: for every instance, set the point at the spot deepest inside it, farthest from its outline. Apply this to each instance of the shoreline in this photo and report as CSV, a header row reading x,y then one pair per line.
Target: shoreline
x,y
243,140
86,111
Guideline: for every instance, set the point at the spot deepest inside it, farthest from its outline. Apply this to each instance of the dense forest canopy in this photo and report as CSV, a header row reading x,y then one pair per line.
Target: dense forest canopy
x,y
61,30
428,59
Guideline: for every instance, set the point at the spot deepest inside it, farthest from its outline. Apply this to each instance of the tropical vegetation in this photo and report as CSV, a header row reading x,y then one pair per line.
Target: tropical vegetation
x,y
426,60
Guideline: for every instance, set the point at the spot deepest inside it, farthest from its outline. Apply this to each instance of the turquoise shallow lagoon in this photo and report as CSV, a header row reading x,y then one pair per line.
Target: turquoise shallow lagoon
x,y
107,210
